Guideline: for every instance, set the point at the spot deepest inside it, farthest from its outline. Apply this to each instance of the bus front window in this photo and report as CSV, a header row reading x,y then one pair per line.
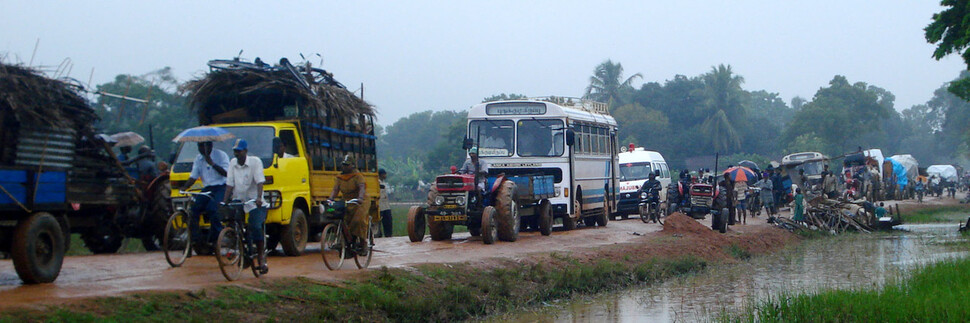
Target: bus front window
x,y
540,138
494,137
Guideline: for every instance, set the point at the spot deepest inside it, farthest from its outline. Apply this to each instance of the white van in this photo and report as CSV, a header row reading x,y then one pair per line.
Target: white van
x,y
636,164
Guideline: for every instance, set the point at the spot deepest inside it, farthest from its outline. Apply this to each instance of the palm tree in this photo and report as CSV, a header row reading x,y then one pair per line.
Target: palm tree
x,y
606,86
723,89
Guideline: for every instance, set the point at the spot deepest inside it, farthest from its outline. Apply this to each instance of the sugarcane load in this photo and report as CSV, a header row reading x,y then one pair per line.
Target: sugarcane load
x,y
308,131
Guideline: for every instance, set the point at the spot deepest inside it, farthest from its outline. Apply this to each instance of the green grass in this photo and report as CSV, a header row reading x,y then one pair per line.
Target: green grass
x,y
78,248
935,293
952,213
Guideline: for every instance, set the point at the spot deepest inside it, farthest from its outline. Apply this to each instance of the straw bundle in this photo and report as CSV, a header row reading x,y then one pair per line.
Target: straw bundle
x,y
31,98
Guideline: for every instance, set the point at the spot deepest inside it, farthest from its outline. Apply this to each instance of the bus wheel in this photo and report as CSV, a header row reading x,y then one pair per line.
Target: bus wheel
x,y
603,218
38,249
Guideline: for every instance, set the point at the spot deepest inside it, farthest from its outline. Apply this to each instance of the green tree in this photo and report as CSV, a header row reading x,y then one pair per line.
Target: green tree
x,y
841,114
724,110
607,84
950,32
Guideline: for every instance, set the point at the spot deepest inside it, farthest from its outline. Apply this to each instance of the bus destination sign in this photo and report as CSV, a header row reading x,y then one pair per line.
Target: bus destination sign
x,y
516,108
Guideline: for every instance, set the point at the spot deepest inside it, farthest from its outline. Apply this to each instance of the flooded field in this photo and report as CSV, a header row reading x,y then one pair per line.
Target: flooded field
x,y
853,261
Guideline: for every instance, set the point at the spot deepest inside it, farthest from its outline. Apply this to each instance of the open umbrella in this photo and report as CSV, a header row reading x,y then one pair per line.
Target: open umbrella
x,y
124,139
203,133
740,173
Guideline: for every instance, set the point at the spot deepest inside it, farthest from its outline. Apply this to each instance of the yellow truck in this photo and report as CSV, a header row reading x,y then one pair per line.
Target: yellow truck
x,y
300,123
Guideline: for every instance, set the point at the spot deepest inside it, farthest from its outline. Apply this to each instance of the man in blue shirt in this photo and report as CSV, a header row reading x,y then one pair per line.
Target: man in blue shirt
x,y
210,166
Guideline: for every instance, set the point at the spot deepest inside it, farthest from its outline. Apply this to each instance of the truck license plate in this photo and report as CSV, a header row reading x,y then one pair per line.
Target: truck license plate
x,y
448,218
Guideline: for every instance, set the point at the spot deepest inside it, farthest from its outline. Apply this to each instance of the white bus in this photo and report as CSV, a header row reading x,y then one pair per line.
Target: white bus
x,y
572,139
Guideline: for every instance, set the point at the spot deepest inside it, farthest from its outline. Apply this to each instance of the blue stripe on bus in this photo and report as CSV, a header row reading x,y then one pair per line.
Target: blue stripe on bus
x,y
598,199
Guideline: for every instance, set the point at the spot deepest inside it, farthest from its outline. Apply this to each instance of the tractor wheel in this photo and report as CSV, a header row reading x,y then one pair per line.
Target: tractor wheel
x,y
544,217
38,249
416,223
295,234
508,220
489,232
722,225
102,239
440,231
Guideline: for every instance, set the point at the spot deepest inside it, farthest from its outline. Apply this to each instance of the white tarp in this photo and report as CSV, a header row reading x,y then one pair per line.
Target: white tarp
x,y
947,172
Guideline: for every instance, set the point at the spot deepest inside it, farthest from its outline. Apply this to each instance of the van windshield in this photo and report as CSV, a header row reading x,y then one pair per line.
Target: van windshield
x,y
635,171
260,140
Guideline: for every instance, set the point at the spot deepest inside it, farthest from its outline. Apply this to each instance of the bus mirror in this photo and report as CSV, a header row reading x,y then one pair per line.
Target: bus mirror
x,y
467,143
278,146
570,137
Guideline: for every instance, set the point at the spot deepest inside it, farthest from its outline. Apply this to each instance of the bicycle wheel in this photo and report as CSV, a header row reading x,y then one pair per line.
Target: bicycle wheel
x,y
364,261
177,239
332,246
229,253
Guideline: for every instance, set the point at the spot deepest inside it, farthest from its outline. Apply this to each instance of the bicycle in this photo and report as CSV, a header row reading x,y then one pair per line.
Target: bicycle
x,y
337,244
234,249
177,239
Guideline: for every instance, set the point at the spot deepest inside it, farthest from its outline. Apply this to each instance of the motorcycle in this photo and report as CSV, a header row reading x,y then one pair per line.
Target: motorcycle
x,y
650,206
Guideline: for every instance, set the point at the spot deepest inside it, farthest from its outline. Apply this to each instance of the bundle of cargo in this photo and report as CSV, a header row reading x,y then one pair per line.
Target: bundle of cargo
x,y
335,121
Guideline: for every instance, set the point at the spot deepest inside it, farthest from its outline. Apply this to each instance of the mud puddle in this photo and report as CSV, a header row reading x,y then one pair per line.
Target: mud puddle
x,y
843,262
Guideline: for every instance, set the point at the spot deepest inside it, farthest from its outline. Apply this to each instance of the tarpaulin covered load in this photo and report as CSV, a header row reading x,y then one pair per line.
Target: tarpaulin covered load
x,y
947,172
898,168
911,166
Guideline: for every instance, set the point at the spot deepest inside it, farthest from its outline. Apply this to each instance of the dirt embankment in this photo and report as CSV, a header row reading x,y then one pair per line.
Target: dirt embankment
x,y
447,291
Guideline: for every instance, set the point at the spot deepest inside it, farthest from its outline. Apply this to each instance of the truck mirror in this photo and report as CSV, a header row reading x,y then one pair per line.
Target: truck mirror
x,y
467,143
570,137
278,146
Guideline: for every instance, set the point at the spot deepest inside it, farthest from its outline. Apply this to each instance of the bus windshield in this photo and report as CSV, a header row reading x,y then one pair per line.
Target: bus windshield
x,y
540,138
494,137
635,171
260,140
811,168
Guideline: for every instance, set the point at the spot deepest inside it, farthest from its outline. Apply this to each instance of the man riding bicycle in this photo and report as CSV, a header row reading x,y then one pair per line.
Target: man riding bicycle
x,y
210,166
244,182
349,185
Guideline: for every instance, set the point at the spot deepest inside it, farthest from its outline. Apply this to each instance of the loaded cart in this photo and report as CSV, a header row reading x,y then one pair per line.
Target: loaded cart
x,y
507,205
57,176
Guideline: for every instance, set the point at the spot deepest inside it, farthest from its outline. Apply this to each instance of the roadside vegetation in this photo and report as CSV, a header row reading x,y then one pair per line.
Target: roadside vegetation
x,y
935,293
950,213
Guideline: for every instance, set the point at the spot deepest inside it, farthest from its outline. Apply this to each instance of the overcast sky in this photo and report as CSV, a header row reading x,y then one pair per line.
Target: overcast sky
x,y
415,55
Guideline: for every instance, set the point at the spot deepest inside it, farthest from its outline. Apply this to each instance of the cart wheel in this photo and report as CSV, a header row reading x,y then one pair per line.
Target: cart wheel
x,y
489,231
545,217
416,223
38,248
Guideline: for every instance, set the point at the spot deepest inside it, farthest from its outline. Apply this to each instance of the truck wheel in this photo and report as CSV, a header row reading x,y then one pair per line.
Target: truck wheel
x,y
295,234
416,223
102,239
38,249
508,220
489,232
545,217
440,231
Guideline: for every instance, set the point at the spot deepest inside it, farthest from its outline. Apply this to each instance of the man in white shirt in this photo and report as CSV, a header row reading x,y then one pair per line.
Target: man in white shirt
x,y
244,182
209,166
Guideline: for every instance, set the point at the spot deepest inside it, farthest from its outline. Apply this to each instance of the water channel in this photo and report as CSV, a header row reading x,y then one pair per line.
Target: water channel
x,y
853,261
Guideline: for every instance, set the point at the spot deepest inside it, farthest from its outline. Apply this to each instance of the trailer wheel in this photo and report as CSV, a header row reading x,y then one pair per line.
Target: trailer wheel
x,y
102,239
440,231
508,220
489,232
38,249
544,213
295,234
416,223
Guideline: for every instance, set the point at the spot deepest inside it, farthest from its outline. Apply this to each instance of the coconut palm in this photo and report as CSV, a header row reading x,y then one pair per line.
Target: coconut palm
x,y
606,86
723,90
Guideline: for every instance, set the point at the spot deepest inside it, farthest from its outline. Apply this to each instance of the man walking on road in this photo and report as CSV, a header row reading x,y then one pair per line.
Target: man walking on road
x,y
386,221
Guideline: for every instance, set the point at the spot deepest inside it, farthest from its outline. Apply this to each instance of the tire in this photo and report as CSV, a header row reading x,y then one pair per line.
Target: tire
x,y
440,231
416,223
294,236
102,239
508,219
157,218
723,224
330,249
545,217
489,232
589,221
603,218
644,214
229,253
475,231
569,223
364,261
37,248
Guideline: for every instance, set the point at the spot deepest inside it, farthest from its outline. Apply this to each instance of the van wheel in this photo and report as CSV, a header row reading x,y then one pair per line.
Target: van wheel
x,y
295,234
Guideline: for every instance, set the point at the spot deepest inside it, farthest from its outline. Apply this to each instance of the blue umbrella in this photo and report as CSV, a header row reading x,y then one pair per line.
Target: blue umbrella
x,y
203,133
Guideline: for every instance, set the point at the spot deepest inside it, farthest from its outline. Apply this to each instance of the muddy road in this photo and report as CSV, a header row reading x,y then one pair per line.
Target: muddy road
x,y
112,275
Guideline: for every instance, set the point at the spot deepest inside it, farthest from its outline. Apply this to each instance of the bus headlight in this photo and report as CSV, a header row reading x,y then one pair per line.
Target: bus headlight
x,y
558,191
460,200
439,200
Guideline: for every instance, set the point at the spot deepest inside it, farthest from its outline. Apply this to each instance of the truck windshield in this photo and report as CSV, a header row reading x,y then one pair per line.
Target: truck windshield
x,y
494,137
540,138
635,171
260,140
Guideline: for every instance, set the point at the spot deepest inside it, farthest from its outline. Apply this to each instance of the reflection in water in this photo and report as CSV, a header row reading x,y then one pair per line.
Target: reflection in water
x,y
844,262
